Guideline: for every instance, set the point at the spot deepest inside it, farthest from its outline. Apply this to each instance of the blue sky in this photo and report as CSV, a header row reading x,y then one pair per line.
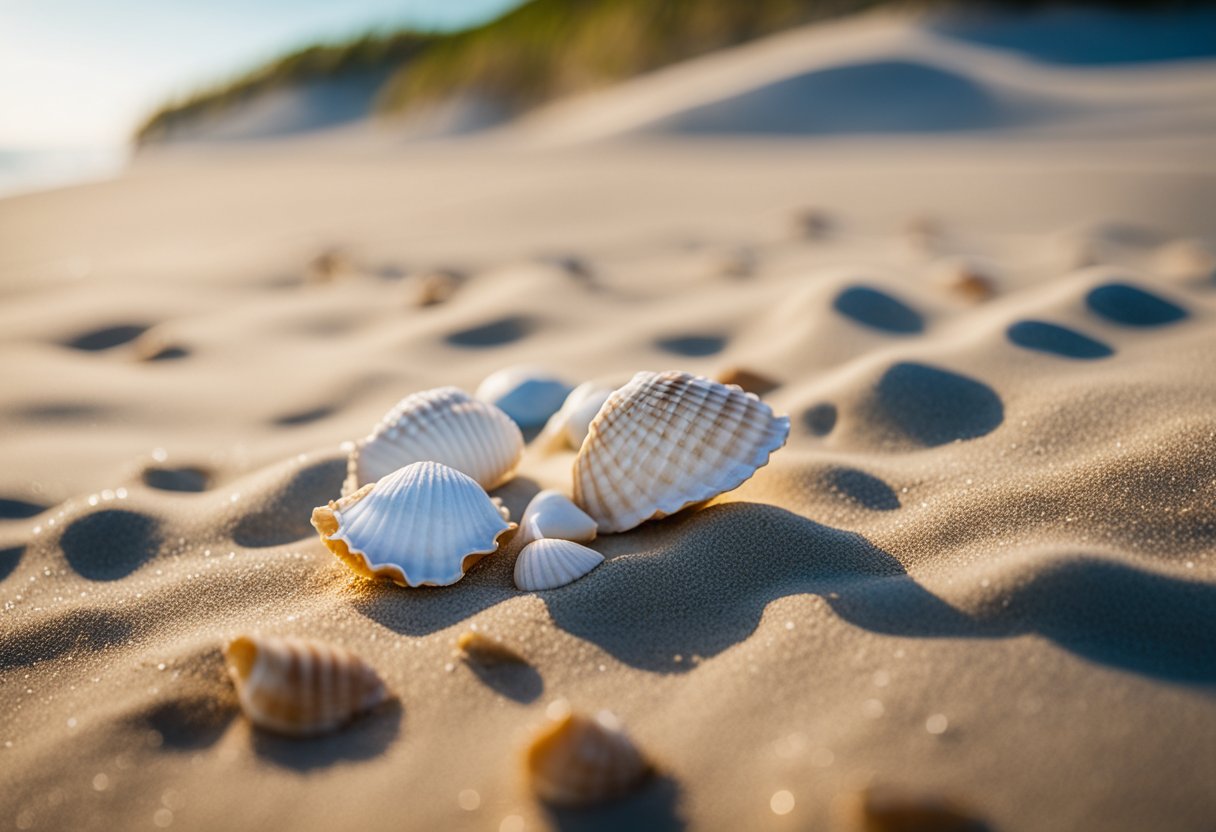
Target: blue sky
x,y
82,73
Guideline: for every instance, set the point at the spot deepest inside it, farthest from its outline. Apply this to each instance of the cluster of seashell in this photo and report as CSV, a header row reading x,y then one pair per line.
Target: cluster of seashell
x,y
553,530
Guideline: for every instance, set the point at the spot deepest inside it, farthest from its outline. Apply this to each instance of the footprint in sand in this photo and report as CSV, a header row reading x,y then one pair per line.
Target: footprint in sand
x,y
15,509
1056,340
304,417
878,310
820,419
106,338
692,346
10,556
110,544
494,333
189,723
177,478
77,631
933,406
1122,303
861,488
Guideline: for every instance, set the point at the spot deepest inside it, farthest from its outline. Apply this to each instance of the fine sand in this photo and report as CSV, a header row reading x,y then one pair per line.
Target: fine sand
x,y
983,568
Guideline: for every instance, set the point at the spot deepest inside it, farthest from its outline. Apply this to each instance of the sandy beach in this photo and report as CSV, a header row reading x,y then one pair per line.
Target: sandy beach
x,y
983,567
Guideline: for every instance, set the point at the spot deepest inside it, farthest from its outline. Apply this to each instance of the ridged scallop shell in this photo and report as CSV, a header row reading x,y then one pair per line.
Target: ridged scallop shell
x,y
552,514
580,761
300,688
444,425
424,524
569,425
669,440
548,564
527,394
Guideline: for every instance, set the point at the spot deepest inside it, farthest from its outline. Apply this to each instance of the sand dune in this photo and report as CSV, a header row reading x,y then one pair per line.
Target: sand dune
x,y
982,567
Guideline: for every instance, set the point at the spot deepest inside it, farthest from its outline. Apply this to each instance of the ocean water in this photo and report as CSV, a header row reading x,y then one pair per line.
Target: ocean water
x,y
23,170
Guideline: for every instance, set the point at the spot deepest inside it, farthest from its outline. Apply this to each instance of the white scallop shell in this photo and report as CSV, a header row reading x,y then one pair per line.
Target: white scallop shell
x,y
526,394
443,425
669,440
424,524
548,564
552,514
300,687
580,761
569,425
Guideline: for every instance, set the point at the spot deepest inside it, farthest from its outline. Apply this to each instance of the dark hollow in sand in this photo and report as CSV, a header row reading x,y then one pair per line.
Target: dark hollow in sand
x,y
106,337
494,333
934,406
184,478
878,310
1056,340
110,544
1129,305
820,419
12,508
10,556
864,489
692,346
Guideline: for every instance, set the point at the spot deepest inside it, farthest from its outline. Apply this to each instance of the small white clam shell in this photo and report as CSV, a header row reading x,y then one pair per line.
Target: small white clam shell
x,y
442,425
569,425
298,687
424,524
526,394
548,564
582,760
552,514
669,440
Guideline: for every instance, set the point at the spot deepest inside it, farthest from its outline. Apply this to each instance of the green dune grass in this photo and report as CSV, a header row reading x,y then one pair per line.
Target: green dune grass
x,y
536,52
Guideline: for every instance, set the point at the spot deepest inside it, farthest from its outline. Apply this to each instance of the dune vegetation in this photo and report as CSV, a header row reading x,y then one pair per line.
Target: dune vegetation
x,y
538,51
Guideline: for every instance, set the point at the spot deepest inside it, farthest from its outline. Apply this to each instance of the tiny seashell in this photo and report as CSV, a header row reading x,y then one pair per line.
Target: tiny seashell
x,y
1186,261
298,687
553,514
330,264
424,524
748,381
528,395
580,761
438,286
883,809
666,441
812,224
479,647
968,280
568,427
739,263
549,563
443,425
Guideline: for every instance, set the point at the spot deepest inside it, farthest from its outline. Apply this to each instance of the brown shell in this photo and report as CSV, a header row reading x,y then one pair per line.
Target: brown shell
x,y
581,760
300,688
884,809
480,648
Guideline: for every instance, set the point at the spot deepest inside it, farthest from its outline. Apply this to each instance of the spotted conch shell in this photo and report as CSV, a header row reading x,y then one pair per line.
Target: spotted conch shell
x,y
548,564
669,440
444,425
424,524
551,514
580,761
300,688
